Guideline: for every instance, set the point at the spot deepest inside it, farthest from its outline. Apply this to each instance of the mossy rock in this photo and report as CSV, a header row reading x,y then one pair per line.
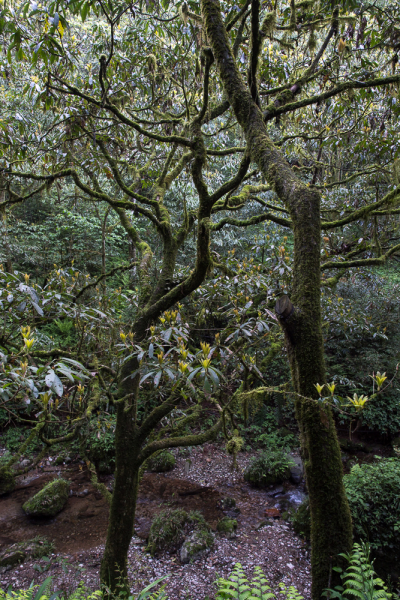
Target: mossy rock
x,y
227,525
195,546
170,527
301,520
228,503
17,553
7,481
49,501
162,462
269,468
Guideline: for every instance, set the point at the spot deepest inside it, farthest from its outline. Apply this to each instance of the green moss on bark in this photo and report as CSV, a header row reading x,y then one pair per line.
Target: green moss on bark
x,y
7,481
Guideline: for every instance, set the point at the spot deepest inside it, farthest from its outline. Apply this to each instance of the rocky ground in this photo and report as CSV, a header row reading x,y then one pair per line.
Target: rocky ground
x,y
200,481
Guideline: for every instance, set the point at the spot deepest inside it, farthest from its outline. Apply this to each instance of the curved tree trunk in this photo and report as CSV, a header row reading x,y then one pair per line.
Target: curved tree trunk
x,y
331,529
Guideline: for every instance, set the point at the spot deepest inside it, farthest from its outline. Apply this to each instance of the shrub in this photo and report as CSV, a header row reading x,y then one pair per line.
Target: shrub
x,y
373,491
271,466
170,527
161,462
100,445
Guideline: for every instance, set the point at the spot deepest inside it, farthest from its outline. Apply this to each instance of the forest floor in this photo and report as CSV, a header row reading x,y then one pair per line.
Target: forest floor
x,y
199,481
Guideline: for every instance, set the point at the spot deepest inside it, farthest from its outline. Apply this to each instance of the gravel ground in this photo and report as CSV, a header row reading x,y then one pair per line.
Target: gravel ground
x,y
275,548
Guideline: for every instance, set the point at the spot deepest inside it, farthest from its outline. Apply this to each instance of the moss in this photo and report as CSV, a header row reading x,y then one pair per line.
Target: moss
x,y
162,462
271,466
170,527
17,553
7,481
227,525
49,501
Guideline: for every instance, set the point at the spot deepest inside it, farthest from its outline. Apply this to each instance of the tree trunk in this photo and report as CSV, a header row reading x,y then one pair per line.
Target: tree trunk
x,y
331,529
113,571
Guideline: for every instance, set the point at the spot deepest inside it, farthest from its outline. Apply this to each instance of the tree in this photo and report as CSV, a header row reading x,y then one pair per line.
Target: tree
x,y
149,86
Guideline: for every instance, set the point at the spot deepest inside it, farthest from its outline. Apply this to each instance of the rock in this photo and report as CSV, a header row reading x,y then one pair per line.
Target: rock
x,y
142,527
161,462
227,503
170,528
227,526
7,481
49,501
24,463
276,491
273,513
229,507
195,546
296,470
17,553
263,523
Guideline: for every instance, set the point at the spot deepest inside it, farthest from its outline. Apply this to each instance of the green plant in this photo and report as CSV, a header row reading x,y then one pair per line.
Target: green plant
x,y
238,586
61,332
13,437
359,580
43,592
373,492
100,442
147,592
271,466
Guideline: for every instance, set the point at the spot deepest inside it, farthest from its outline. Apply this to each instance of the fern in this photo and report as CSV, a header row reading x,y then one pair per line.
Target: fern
x,y
359,580
238,586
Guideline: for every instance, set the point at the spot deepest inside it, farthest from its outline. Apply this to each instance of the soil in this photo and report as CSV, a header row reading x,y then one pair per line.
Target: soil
x,y
198,482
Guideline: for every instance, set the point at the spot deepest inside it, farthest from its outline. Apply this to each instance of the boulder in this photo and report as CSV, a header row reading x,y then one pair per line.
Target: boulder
x,y
7,481
20,551
49,501
296,470
195,546
161,462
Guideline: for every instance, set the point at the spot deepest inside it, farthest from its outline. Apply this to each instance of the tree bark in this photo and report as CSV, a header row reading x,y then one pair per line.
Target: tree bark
x,y
331,529
113,571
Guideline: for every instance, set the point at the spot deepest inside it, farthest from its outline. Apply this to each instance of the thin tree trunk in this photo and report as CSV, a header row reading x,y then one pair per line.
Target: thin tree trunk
x,y
113,571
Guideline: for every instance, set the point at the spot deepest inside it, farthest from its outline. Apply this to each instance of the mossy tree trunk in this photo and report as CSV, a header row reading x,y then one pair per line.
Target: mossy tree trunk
x,y
132,443
331,529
